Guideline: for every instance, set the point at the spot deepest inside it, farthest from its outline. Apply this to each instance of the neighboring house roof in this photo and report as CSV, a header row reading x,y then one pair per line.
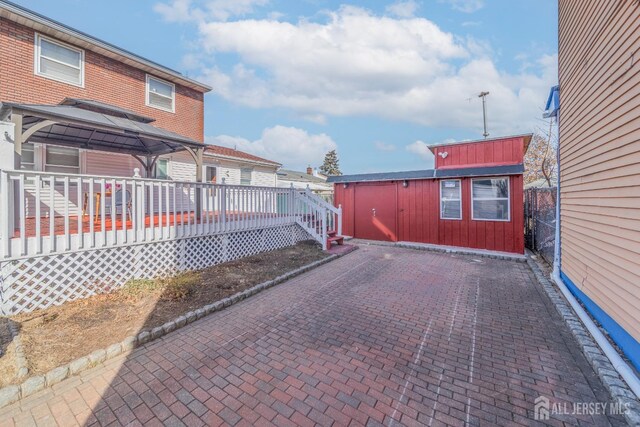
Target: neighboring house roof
x,y
431,174
230,153
290,175
48,26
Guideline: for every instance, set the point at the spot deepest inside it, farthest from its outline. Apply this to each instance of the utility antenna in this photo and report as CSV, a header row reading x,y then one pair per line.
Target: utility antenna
x,y
483,95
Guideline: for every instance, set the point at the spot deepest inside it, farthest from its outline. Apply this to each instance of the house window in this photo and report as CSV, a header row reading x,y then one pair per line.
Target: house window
x,y
450,199
61,159
211,174
245,176
160,94
490,199
28,160
162,169
59,61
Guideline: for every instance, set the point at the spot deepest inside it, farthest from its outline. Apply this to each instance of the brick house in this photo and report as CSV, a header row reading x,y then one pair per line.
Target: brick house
x,y
52,64
105,176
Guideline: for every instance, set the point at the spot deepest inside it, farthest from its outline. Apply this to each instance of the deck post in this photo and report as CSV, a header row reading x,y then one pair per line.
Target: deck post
x,y
199,164
139,206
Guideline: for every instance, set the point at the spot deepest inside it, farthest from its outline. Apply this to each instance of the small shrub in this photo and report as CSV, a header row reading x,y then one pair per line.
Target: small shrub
x,y
140,287
180,286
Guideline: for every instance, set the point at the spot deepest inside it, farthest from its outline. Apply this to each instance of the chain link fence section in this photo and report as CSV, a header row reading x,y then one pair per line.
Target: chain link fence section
x,y
540,221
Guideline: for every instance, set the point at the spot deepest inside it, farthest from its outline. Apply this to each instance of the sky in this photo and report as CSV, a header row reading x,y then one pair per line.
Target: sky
x,y
376,80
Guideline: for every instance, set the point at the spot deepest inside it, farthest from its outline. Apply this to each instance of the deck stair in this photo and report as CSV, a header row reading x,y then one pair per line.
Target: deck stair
x,y
320,219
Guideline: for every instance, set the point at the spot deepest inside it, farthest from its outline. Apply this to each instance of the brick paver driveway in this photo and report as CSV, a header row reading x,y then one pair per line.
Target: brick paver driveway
x,y
382,336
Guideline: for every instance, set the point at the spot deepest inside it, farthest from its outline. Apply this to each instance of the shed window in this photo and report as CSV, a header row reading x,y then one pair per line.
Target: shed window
x,y
245,176
450,199
490,199
59,61
160,94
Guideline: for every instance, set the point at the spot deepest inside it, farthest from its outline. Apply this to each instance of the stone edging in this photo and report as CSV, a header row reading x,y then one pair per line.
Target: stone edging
x,y
619,390
459,251
12,393
22,369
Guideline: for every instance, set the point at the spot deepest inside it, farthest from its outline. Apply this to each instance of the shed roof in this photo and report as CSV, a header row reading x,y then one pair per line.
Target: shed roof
x,y
430,174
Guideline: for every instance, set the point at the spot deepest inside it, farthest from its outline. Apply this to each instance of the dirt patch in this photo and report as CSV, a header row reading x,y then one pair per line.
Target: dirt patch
x,y
58,335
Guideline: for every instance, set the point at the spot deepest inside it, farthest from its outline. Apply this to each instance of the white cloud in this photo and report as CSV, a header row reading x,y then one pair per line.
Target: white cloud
x,y
466,6
294,148
421,149
358,63
219,10
403,9
383,146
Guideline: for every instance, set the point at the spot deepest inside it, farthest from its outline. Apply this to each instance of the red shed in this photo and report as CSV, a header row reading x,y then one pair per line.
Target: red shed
x,y
473,198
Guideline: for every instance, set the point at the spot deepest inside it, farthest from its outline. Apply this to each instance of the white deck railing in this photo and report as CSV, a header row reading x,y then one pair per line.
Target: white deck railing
x,y
45,213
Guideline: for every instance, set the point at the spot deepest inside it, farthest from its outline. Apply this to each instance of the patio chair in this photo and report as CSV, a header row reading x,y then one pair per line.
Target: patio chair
x,y
118,200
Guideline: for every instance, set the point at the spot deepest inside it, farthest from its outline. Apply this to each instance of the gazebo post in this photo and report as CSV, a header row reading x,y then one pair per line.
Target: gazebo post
x,y
17,140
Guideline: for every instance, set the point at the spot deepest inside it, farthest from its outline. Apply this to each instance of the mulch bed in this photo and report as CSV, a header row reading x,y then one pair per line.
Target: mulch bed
x,y
58,335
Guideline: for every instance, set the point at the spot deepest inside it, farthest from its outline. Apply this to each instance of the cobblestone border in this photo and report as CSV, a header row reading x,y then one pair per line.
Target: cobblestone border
x,y
22,369
31,385
619,390
446,249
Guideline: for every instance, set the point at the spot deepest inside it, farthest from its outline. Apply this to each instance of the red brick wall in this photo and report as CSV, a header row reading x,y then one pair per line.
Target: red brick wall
x,y
105,80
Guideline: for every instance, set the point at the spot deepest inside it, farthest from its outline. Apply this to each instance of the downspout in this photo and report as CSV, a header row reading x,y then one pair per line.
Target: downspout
x,y
618,363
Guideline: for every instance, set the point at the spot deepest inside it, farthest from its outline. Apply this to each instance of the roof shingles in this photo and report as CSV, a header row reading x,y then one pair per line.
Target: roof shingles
x,y
236,154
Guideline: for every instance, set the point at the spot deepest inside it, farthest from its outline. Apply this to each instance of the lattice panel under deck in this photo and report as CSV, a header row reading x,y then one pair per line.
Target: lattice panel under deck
x,y
40,282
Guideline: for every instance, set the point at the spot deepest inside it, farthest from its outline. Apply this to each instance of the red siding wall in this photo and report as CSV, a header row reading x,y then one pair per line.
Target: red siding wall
x,y
507,151
106,80
418,218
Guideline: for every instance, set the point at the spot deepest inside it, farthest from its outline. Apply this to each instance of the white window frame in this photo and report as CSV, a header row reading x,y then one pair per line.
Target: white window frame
x,y
459,199
250,176
215,169
155,169
508,199
36,59
45,164
173,94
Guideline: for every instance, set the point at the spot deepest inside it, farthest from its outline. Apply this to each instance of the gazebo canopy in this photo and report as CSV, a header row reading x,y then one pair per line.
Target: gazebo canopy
x,y
94,126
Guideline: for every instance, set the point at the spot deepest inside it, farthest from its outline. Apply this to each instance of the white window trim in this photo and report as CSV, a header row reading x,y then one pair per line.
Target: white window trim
x,y
40,158
173,94
204,171
250,176
155,168
508,199
459,199
36,60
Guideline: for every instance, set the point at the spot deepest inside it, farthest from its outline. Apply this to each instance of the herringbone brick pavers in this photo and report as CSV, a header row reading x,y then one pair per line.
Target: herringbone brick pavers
x,y
383,336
